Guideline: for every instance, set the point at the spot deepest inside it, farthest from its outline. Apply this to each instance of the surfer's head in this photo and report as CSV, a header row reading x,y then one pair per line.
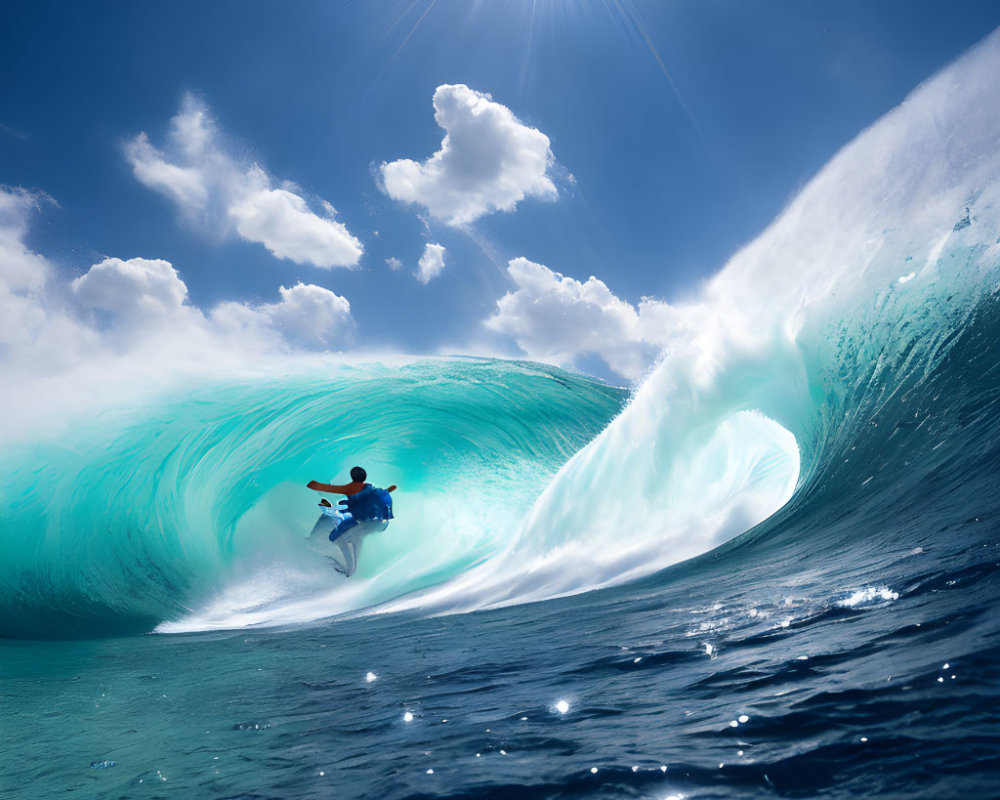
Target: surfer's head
x,y
358,474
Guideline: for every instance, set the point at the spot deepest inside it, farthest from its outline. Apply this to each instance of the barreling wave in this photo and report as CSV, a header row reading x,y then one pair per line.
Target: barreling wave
x,y
143,515
842,363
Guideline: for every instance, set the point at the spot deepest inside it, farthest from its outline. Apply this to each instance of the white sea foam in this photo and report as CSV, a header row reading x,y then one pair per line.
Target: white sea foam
x,y
869,595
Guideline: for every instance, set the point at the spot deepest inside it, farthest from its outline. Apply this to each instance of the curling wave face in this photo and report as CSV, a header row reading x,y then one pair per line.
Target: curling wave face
x,y
144,515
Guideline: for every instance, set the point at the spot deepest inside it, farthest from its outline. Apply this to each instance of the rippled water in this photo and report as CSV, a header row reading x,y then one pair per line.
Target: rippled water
x,y
681,686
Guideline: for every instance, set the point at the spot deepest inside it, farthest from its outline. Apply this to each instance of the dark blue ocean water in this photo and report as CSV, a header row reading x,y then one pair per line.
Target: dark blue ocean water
x,y
771,570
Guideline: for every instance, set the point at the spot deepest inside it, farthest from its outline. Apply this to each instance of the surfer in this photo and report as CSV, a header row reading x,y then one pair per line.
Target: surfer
x,y
364,503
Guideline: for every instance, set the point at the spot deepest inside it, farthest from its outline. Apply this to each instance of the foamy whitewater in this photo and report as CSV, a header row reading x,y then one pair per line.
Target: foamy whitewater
x,y
769,570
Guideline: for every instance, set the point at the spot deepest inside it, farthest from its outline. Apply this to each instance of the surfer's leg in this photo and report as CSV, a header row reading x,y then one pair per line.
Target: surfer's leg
x,y
349,548
348,523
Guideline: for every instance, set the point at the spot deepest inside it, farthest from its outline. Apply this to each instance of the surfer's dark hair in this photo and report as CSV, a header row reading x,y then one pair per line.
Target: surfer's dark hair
x,y
358,474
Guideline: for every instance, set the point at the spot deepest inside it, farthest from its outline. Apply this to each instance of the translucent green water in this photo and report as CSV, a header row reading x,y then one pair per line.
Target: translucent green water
x,y
143,515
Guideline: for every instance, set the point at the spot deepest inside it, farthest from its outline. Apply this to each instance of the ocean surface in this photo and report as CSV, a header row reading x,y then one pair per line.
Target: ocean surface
x,y
770,570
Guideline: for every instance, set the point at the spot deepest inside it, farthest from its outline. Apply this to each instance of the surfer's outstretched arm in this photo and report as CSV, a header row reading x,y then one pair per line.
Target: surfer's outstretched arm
x,y
328,487
335,489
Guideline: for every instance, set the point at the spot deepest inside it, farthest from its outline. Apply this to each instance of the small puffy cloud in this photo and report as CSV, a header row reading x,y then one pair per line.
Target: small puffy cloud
x,y
431,263
311,313
489,161
306,314
143,302
281,221
394,263
137,289
210,188
561,320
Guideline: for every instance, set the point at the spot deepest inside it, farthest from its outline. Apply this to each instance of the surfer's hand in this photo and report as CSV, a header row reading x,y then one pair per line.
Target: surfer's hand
x,y
391,488
313,485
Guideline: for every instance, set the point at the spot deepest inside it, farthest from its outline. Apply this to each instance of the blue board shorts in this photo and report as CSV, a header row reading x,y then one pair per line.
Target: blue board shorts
x,y
345,525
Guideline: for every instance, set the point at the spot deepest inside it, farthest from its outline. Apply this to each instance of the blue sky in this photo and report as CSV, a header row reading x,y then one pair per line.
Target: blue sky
x,y
168,167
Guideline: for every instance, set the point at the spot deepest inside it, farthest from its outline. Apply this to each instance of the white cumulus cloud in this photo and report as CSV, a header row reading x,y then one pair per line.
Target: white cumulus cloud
x,y
561,320
122,305
140,304
211,188
139,289
489,161
147,297
431,263
281,221
306,314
